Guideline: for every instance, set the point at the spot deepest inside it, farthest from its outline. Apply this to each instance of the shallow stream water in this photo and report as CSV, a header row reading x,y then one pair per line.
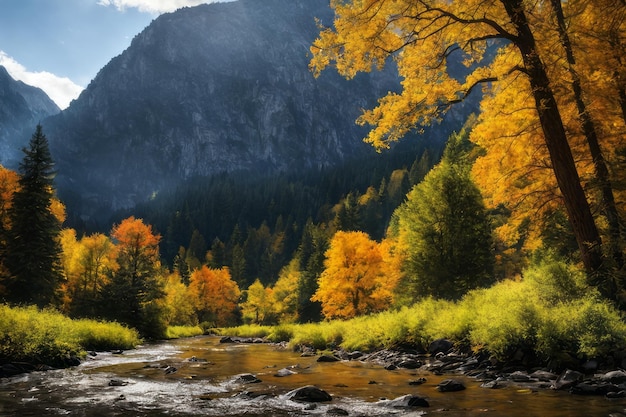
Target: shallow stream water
x,y
197,376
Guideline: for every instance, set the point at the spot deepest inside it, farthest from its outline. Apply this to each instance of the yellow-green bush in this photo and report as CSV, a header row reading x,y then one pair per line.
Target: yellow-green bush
x,y
176,332
550,311
46,336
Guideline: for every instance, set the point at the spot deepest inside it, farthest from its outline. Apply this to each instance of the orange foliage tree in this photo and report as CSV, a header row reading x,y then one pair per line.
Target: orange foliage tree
x,y
215,295
8,185
134,293
358,277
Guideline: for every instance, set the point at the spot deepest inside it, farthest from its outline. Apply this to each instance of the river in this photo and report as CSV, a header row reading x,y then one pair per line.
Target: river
x,y
197,376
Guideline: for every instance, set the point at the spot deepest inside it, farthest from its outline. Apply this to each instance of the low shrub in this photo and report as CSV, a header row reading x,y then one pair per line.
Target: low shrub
x,y
550,311
281,333
246,330
28,334
176,332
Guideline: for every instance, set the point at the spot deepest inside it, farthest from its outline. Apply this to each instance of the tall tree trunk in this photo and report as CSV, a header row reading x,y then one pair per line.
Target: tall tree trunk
x,y
618,74
568,180
609,207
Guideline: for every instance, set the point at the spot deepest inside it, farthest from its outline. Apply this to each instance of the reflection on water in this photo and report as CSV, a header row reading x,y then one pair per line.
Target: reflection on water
x,y
196,377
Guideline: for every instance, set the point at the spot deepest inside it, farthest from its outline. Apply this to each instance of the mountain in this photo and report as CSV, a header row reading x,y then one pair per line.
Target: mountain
x,y
21,107
215,88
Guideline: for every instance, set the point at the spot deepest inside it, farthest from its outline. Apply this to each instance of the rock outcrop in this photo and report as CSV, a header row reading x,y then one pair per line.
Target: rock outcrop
x,y
21,108
215,88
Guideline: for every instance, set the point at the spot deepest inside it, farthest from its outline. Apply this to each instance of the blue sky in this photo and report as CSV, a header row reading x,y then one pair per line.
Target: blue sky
x,y
60,45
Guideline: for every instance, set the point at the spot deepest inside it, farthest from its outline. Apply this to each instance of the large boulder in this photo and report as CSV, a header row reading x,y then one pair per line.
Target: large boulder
x,y
309,394
615,377
440,346
567,379
450,385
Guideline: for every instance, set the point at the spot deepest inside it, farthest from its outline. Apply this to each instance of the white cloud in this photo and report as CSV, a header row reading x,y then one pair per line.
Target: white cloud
x,y
155,6
61,90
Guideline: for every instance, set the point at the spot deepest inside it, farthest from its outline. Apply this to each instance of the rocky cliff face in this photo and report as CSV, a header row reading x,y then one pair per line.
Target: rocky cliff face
x,y
21,108
209,89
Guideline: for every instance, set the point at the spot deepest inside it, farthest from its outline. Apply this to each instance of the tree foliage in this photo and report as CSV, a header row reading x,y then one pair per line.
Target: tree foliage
x,y
358,277
215,295
9,182
258,306
444,231
528,125
134,292
88,264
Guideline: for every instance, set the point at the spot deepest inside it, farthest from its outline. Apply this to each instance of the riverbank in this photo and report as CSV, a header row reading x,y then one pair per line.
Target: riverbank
x,y
201,376
32,339
442,358
539,321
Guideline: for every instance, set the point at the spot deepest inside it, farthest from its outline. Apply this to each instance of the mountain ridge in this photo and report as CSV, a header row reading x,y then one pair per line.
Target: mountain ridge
x,y
21,106
215,88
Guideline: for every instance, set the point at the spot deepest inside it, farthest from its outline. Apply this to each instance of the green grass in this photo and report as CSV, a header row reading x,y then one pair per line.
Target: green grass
x,y
28,334
549,312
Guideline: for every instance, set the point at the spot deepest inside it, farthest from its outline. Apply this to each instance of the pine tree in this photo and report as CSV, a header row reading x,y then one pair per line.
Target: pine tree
x,y
445,230
33,257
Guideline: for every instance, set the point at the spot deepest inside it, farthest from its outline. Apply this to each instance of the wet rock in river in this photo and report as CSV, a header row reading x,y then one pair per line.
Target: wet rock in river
x,y
409,363
616,394
195,359
232,339
117,383
567,379
544,376
15,368
328,358
284,372
593,388
337,412
309,394
405,401
495,384
418,381
355,355
246,379
450,385
615,377
519,376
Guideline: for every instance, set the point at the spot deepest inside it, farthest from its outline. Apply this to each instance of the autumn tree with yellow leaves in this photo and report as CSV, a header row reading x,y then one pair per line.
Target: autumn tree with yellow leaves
x,y
537,155
88,265
359,277
258,306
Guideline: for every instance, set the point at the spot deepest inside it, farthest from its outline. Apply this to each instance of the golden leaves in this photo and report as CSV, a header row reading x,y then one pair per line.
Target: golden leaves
x,y
359,278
